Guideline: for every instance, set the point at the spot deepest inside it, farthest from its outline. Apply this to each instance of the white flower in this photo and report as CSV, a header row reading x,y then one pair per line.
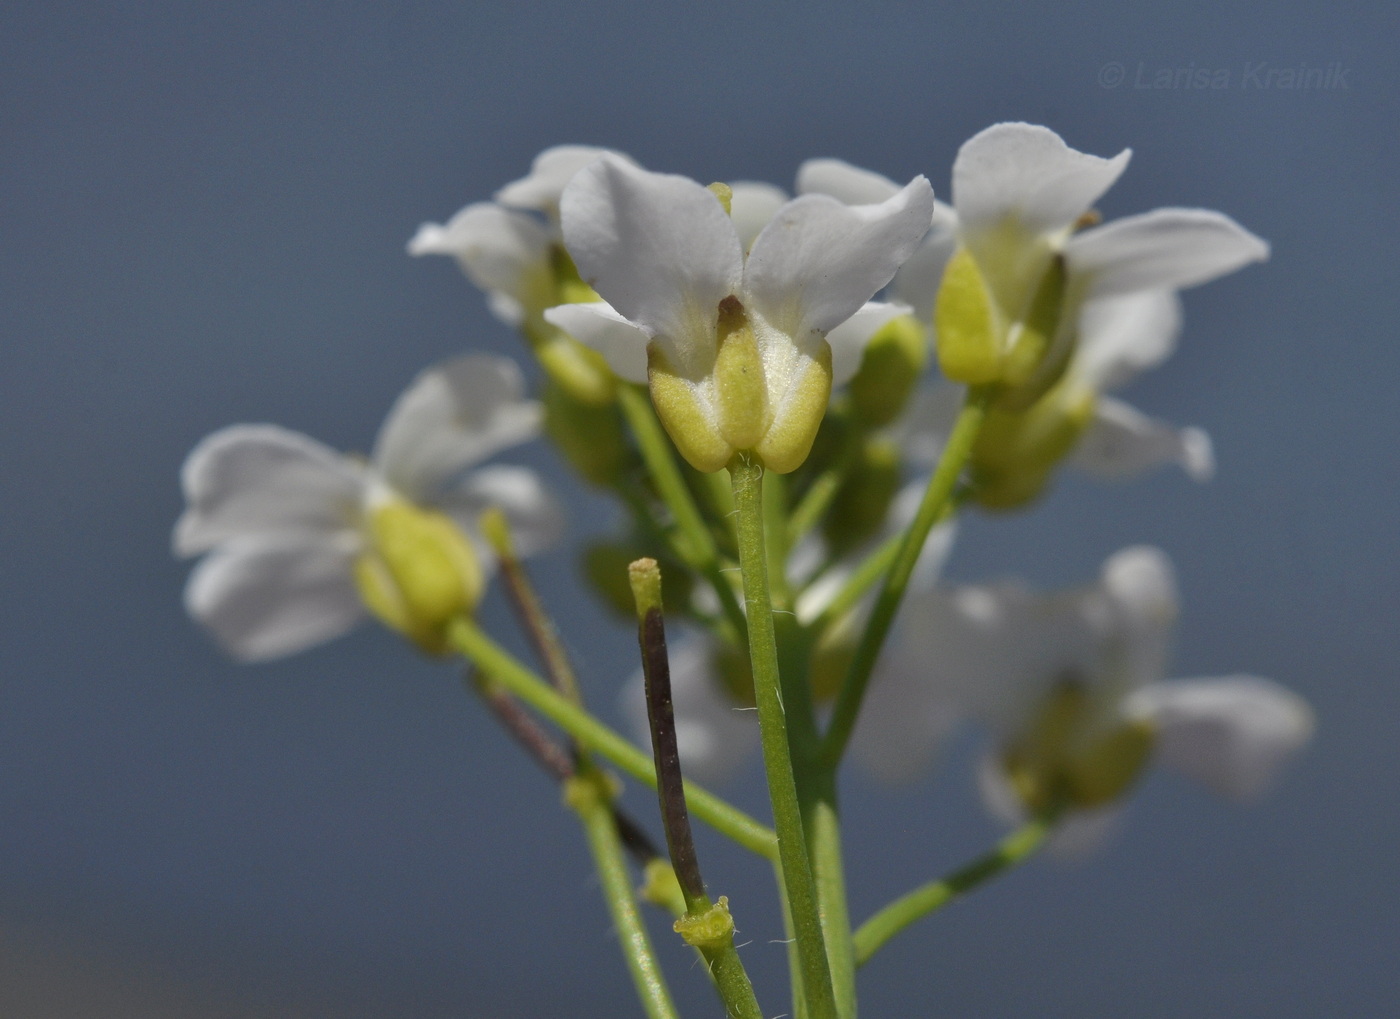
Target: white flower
x,y
505,247
288,523
734,345
1072,686
1019,196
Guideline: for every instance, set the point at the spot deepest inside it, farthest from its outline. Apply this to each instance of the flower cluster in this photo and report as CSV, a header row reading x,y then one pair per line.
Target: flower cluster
x,y
790,399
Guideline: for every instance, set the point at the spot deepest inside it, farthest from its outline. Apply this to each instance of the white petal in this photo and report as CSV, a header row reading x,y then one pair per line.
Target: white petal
x,y
1122,443
713,735
659,248
903,724
848,340
535,516
550,173
819,260
918,279
1123,335
1027,173
503,252
261,479
622,344
752,206
1162,249
1233,734
263,598
844,182
455,414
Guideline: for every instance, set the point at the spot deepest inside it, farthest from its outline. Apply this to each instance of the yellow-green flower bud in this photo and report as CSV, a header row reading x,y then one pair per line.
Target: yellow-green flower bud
x,y
661,887
1070,756
590,436
863,500
418,572
580,371
894,359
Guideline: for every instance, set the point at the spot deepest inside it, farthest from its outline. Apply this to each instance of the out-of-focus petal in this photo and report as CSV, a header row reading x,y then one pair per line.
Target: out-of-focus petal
x,y
1122,443
622,344
264,598
751,207
818,261
503,252
535,516
262,479
1232,734
1124,335
903,724
658,247
1027,174
713,735
918,279
454,415
848,340
550,173
844,182
1166,249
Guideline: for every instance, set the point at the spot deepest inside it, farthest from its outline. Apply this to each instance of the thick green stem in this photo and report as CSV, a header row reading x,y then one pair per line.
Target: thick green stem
x,y
747,479
928,898
589,797
592,734
940,490
697,548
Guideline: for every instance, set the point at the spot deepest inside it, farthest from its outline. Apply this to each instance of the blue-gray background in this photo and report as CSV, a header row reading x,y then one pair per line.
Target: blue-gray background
x,y
204,210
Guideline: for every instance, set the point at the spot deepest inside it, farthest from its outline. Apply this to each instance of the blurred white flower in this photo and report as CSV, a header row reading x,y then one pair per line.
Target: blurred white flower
x,y
733,343
1072,686
511,247
287,525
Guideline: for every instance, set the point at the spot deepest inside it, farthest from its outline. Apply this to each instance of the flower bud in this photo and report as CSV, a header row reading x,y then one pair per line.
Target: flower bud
x,y
590,436
418,572
894,359
863,500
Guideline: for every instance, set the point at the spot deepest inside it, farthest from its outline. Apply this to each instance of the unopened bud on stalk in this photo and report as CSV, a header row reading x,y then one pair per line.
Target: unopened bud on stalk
x,y
894,359
589,435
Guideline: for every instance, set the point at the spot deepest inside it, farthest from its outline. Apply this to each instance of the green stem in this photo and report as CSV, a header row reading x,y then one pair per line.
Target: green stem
x,y
588,795
592,734
940,490
925,899
747,479
823,826
698,549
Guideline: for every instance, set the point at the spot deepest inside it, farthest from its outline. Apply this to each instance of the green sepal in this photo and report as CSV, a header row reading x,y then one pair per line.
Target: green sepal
x,y
965,321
